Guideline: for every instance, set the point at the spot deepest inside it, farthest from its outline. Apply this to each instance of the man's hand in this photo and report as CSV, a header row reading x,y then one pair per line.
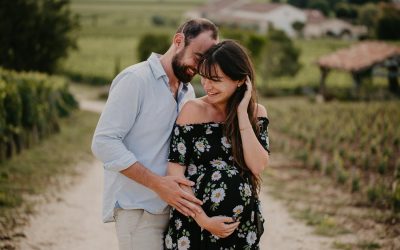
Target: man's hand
x,y
168,188
221,226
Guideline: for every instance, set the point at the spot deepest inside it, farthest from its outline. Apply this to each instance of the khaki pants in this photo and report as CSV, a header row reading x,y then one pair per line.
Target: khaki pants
x,y
138,229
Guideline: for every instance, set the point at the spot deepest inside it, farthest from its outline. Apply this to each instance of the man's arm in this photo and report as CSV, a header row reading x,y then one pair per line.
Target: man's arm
x,y
117,119
220,226
167,187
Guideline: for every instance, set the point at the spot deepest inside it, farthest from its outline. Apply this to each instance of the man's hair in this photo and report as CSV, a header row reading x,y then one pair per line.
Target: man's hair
x,y
194,27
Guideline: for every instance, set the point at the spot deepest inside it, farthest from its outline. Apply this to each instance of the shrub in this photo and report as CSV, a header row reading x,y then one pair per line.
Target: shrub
x,y
158,43
30,105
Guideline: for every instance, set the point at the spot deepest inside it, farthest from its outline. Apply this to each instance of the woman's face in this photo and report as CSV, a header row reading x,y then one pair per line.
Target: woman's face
x,y
220,89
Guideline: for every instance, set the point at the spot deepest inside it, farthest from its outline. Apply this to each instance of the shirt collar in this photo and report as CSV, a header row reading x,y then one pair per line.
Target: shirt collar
x,y
157,68
155,65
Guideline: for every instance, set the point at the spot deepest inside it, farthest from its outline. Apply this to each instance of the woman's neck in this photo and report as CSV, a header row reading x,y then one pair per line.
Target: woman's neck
x,y
219,109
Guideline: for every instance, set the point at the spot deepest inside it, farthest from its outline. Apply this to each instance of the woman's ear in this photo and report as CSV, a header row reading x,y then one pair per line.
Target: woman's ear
x,y
239,83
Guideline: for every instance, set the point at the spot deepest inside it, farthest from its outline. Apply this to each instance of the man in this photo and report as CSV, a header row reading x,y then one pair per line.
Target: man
x,y
133,133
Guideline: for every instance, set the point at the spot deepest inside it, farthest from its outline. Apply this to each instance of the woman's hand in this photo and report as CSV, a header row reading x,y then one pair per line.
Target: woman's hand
x,y
221,226
247,96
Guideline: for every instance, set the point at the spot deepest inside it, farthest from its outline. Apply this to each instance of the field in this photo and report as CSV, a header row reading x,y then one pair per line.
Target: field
x,y
336,166
110,31
357,144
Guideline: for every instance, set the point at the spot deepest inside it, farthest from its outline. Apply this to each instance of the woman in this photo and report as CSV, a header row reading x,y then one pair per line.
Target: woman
x,y
220,142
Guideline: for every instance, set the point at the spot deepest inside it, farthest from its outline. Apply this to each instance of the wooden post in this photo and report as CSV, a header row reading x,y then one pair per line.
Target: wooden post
x,y
356,80
324,74
392,77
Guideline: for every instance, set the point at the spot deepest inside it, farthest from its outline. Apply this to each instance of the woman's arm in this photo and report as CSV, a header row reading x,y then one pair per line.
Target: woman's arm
x,y
255,156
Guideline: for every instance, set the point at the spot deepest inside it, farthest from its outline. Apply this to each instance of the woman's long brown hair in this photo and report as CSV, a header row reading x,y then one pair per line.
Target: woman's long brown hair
x,y
235,63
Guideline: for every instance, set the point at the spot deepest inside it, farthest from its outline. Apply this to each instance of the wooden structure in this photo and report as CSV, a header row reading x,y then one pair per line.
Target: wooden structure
x,y
360,59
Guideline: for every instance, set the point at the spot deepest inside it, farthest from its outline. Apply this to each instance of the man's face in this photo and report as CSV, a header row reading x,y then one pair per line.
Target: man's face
x,y
184,63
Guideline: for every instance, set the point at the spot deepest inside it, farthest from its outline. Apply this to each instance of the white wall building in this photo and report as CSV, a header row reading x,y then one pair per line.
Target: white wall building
x,y
259,16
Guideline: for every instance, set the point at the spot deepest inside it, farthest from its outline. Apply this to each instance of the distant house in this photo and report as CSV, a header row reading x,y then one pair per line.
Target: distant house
x,y
257,16
261,16
334,28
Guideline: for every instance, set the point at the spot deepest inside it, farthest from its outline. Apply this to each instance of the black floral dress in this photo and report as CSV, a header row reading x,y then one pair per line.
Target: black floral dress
x,y
206,153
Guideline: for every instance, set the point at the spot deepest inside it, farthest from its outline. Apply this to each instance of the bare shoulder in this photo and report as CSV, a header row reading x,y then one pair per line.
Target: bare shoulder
x,y
192,112
261,111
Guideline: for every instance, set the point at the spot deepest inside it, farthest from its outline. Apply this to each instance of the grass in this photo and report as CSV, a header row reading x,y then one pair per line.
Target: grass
x,y
336,139
35,171
329,211
297,176
322,223
129,18
109,34
363,245
101,58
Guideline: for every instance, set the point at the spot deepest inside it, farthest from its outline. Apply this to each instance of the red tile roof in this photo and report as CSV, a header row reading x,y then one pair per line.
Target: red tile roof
x,y
359,56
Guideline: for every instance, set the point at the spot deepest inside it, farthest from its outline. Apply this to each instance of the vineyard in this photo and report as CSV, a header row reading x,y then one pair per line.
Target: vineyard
x,y
31,105
356,144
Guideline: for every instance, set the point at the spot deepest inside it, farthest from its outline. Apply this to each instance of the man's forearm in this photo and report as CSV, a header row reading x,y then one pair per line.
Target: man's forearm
x,y
142,175
167,187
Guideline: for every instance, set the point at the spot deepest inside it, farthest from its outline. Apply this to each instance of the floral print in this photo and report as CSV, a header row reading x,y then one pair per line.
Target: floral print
x,y
207,155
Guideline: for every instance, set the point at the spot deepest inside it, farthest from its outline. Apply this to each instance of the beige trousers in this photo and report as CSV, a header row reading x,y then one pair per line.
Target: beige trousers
x,y
138,229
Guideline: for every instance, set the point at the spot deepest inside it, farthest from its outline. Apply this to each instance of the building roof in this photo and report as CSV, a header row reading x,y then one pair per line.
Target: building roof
x,y
260,7
219,5
239,5
314,16
359,56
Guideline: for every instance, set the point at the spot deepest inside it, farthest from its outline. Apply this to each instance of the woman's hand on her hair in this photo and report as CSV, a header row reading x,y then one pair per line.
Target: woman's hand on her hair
x,y
247,96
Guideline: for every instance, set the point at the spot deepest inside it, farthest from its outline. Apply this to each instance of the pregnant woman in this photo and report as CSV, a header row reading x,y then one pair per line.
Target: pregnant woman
x,y
220,142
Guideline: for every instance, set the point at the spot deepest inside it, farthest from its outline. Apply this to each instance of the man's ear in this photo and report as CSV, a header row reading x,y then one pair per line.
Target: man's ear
x,y
179,40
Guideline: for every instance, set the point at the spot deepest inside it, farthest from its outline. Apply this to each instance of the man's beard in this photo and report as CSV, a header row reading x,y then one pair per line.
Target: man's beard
x,y
179,69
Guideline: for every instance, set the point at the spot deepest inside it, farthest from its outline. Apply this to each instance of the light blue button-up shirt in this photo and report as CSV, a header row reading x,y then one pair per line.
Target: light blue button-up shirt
x,y
136,125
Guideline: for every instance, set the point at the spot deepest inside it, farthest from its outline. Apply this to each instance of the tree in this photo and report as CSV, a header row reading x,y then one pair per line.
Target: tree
x,y
368,16
298,27
388,24
255,43
361,2
345,11
35,34
321,5
298,3
158,43
281,56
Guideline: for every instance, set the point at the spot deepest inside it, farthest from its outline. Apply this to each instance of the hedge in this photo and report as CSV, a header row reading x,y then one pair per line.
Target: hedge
x,y
31,105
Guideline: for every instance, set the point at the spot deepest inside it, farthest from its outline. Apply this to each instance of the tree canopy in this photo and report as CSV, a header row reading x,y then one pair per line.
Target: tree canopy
x,y
35,34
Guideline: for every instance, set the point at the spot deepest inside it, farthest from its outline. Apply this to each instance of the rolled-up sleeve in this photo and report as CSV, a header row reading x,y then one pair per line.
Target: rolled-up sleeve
x,y
116,120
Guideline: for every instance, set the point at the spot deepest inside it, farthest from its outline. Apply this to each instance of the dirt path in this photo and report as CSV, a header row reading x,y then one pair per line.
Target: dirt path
x,y
74,221
282,232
